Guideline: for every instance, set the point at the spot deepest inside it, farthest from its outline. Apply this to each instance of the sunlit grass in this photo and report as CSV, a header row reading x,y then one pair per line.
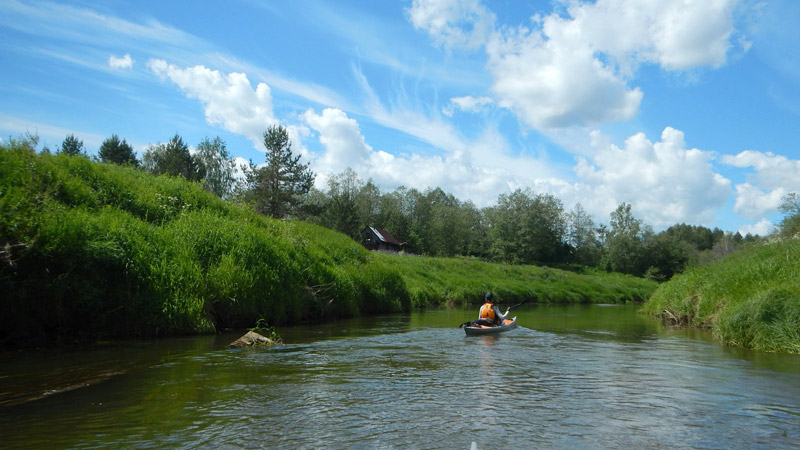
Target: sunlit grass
x,y
750,299
463,281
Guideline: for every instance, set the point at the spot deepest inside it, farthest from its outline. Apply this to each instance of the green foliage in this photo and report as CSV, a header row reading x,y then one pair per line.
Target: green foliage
x,y
172,158
71,146
217,165
790,225
93,249
582,238
528,228
625,243
751,298
114,151
341,209
277,189
268,331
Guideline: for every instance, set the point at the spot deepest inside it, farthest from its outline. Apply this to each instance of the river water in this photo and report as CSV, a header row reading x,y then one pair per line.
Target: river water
x,y
568,377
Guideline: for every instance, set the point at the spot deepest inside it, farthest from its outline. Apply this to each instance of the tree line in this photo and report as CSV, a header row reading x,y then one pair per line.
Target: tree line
x,y
523,227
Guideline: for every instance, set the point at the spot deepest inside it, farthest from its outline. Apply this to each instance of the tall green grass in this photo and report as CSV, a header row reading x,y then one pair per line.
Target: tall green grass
x,y
750,299
90,249
94,249
463,281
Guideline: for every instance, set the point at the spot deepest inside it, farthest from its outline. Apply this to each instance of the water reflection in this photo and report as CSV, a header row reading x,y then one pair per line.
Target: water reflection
x,y
567,377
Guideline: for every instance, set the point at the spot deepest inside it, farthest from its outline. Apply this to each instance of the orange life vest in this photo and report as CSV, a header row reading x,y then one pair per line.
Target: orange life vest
x,y
487,311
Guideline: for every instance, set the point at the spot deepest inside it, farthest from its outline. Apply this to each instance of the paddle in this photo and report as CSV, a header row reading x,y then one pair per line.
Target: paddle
x,y
466,324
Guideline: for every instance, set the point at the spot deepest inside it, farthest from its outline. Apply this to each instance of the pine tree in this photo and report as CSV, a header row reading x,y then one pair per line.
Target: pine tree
x,y
276,189
112,150
71,146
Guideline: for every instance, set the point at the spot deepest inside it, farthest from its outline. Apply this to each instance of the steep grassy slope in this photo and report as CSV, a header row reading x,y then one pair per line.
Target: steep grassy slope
x,y
750,299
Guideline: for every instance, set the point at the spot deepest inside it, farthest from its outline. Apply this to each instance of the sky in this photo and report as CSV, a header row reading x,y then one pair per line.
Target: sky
x,y
689,111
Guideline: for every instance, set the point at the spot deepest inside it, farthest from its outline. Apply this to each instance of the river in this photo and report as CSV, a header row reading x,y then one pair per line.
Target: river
x,y
568,377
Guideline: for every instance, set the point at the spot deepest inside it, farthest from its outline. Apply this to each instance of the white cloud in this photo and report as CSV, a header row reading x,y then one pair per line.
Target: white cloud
x,y
344,145
763,228
675,34
468,104
774,177
124,62
453,23
229,100
752,202
552,83
479,173
574,70
663,181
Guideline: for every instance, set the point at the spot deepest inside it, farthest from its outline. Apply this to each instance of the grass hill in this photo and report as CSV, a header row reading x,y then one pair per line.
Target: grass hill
x,y
90,249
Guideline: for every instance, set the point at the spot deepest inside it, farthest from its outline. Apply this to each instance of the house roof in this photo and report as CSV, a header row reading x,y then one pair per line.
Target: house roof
x,y
384,236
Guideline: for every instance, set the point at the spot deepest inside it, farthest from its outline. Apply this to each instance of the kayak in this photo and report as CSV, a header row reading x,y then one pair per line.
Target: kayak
x,y
508,324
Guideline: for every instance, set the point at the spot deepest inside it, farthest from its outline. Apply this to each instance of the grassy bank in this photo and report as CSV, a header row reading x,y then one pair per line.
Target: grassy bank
x,y
90,249
750,299
462,281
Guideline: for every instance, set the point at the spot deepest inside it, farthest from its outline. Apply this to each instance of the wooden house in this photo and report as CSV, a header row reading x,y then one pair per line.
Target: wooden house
x,y
377,239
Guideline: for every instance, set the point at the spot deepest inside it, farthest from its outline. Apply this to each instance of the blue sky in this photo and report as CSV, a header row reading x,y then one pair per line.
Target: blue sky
x,y
689,111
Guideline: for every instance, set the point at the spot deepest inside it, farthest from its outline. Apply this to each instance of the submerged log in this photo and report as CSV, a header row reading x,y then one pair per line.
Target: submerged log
x,y
250,339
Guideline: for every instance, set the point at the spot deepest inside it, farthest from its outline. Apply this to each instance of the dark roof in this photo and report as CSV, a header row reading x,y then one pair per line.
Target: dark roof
x,y
384,236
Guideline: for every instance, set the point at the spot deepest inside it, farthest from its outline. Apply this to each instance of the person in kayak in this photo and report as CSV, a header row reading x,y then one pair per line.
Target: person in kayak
x,y
490,314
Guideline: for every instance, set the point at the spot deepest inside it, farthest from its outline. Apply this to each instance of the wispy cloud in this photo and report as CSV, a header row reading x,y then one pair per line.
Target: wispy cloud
x,y
50,135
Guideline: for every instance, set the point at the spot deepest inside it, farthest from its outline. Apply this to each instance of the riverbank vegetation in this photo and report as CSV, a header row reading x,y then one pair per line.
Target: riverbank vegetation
x,y
523,227
750,299
93,249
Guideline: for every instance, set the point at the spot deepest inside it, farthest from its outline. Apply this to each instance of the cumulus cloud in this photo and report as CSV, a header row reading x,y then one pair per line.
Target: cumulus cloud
x,y
762,228
554,84
774,177
665,182
574,69
125,62
229,100
341,136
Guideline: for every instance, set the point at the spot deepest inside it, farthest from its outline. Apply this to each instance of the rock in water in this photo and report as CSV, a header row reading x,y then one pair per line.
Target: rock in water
x,y
250,339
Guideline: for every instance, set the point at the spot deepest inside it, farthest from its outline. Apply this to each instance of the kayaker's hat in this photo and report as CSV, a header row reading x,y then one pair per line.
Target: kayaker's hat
x,y
489,296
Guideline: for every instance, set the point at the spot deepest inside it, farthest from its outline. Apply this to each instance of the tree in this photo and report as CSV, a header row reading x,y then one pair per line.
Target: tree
x,y
25,141
665,255
582,237
625,242
341,212
368,204
527,228
172,158
395,216
214,160
790,225
277,188
114,151
71,146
